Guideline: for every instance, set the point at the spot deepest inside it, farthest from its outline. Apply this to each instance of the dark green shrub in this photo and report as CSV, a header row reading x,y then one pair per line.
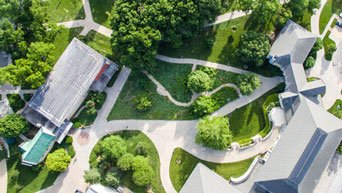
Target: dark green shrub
x,y
140,149
71,151
210,42
309,62
68,140
15,102
77,125
27,97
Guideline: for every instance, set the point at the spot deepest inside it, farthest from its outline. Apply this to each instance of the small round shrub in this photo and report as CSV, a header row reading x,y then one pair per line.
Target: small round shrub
x,y
309,62
200,81
77,125
142,103
234,28
68,140
210,42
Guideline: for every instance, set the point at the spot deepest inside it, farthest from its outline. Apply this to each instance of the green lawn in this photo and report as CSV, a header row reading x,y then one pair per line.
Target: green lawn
x,y
162,108
179,173
326,42
100,10
224,95
65,10
98,42
226,42
174,78
16,102
63,39
249,120
331,7
335,111
132,139
24,179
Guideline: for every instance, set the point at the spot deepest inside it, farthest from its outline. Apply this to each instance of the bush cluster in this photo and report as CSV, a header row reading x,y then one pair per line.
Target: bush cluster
x,y
113,154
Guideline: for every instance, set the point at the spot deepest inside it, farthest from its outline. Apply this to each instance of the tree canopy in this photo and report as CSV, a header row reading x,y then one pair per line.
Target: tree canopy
x,y
92,176
125,161
12,125
214,132
139,26
253,48
26,34
58,160
200,81
204,105
143,176
113,147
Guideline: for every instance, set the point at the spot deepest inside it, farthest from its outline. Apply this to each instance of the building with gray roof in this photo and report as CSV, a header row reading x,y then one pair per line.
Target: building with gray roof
x,y
312,134
308,143
78,70
204,180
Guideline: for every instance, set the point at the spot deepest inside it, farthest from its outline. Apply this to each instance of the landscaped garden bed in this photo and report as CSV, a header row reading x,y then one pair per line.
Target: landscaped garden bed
x,y
137,144
336,109
182,164
249,120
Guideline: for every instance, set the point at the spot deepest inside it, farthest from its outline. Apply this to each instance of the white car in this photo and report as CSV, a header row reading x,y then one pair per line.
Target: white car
x,y
340,15
120,189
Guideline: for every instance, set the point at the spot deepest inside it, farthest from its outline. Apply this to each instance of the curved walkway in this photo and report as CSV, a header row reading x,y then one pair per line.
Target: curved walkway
x,y
328,71
163,92
166,136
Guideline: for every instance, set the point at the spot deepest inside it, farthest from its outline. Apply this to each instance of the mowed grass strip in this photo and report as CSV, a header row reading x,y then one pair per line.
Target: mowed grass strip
x,y
180,172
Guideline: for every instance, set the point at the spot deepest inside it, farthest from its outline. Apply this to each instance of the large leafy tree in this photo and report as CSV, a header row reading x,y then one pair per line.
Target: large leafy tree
x,y
298,7
92,176
113,147
12,125
125,161
204,105
143,176
32,69
139,26
253,48
9,36
200,81
58,160
213,132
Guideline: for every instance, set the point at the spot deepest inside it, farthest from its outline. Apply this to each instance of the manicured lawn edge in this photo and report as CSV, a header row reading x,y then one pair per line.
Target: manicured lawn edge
x,y
179,173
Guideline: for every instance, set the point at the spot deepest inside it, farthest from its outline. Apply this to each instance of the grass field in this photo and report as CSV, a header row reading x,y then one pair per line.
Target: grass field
x,y
174,78
100,10
63,39
331,7
132,139
23,179
249,120
162,108
222,51
65,10
179,173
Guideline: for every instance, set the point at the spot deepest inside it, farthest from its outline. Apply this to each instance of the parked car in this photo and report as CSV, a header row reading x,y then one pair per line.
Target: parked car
x,y
120,189
339,24
78,191
340,15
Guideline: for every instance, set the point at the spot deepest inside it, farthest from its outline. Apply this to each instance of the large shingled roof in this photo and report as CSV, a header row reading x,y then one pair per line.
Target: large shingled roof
x,y
304,150
68,83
